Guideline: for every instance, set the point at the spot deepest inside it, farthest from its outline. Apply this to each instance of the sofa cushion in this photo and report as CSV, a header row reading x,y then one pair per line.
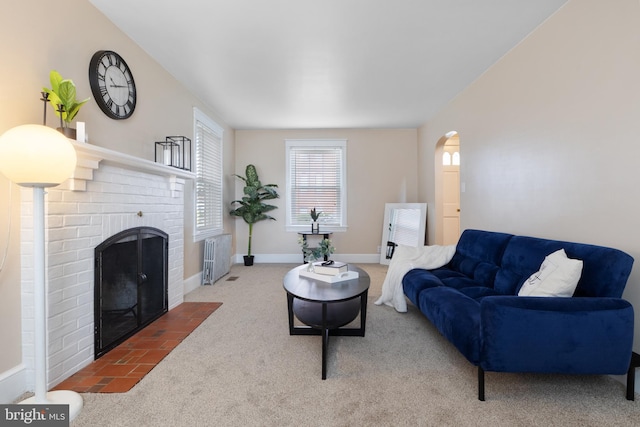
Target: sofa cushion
x,y
456,316
453,278
557,277
478,255
416,280
479,292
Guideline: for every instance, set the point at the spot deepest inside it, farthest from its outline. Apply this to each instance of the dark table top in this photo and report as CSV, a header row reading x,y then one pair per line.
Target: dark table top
x,y
316,290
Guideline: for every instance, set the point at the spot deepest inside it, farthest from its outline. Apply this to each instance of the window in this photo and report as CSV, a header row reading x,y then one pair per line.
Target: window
x,y
446,158
208,183
456,159
316,177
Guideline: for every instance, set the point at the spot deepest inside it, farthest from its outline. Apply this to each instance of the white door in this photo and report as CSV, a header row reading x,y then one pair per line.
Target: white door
x,y
451,204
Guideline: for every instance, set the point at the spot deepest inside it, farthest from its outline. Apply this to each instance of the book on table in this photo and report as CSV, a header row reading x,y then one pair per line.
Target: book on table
x,y
345,276
331,268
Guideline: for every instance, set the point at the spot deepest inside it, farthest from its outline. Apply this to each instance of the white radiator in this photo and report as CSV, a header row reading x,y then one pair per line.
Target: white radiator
x,y
217,258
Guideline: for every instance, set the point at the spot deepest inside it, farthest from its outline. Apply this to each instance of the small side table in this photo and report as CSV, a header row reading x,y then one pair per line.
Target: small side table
x,y
324,235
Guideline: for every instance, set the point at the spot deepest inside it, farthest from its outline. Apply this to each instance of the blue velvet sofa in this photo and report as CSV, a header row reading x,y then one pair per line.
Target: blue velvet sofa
x,y
473,302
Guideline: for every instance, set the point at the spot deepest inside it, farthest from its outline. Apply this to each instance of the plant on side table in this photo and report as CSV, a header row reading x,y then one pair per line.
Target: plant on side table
x,y
62,97
324,249
252,207
315,227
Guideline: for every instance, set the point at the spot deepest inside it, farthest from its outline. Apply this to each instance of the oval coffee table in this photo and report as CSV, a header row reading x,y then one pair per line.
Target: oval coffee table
x,y
326,307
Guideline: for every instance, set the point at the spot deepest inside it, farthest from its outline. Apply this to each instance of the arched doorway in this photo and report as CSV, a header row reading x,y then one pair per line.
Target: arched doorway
x,y
447,167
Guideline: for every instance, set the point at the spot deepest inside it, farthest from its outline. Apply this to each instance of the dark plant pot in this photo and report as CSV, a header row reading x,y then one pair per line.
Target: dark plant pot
x,y
248,260
68,132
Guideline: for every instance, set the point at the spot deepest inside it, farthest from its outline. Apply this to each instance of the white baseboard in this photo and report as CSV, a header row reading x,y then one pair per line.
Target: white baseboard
x,y
192,283
297,258
13,383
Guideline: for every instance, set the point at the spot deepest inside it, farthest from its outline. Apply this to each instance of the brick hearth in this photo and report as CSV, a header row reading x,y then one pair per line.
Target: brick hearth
x,y
121,368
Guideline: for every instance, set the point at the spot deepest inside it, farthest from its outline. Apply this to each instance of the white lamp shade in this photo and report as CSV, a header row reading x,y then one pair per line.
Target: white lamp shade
x,y
36,156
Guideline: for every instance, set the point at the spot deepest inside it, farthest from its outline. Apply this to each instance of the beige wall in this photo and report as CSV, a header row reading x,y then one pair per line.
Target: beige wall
x,y
10,314
39,35
381,168
549,135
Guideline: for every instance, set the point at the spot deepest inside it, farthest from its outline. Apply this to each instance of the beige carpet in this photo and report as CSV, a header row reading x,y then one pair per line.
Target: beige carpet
x,y
241,368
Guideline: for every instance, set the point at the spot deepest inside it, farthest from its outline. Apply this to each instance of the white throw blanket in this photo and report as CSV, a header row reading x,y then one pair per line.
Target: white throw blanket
x,y
404,259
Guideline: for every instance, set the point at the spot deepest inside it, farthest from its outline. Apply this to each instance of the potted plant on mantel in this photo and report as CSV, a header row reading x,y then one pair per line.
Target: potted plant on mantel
x,y
252,207
62,97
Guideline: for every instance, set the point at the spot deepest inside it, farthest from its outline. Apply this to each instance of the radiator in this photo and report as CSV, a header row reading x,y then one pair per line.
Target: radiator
x,y
217,258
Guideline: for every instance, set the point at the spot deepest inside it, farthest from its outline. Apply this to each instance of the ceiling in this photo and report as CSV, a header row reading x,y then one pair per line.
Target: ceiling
x,y
299,64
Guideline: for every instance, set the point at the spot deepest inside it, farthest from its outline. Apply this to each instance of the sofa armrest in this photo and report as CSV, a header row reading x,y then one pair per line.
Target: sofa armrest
x,y
556,335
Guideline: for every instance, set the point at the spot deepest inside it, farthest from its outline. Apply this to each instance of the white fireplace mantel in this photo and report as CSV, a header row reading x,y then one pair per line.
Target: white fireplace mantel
x,y
90,156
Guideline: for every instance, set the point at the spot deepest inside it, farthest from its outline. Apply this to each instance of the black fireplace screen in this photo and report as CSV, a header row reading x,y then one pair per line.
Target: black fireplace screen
x,y
130,284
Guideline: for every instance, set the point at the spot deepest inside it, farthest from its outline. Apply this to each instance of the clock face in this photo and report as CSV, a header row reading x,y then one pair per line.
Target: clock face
x,y
112,84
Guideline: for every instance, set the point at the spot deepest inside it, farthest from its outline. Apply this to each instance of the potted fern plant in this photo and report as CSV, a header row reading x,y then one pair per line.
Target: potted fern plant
x,y
251,207
62,97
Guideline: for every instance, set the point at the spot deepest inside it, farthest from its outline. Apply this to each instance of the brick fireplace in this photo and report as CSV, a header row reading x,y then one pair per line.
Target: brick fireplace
x,y
109,192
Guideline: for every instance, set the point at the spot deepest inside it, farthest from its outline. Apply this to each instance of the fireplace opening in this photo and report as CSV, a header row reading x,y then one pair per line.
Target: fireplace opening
x,y
131,278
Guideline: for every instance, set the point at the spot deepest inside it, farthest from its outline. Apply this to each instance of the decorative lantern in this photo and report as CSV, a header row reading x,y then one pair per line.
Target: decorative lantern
x,y
174,151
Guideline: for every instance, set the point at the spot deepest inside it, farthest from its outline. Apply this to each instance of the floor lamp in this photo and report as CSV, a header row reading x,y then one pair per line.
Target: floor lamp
x,y
38,156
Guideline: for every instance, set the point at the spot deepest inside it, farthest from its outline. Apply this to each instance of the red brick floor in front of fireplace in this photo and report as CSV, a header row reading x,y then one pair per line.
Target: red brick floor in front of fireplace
x,y
121,368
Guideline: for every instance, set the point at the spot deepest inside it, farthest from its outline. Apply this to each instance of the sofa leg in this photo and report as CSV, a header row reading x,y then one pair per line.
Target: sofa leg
x,y
631,375
480,384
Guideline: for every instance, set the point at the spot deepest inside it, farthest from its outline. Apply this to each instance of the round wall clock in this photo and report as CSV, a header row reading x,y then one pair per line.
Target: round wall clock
x,y
112,84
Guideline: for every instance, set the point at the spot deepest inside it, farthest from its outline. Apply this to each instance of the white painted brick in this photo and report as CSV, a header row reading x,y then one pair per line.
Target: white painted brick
x,y
60,356
62,208
51,195
55,221
62,257
58,284
61,234
86,253
59,308
89,230
73,291
85,301
77,267
54,272
73,220
77,221
73,338
87,320
75,244
60,332
87,341
86,277
79,360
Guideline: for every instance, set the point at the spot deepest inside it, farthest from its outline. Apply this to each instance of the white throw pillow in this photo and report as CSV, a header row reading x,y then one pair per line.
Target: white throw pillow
x,y
558,277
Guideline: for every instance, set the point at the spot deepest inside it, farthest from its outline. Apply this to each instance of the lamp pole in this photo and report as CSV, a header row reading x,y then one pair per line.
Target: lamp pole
x,y
39,300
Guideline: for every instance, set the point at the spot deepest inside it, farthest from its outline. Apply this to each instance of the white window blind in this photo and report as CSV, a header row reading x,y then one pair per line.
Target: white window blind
x,y
208,183
316,179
